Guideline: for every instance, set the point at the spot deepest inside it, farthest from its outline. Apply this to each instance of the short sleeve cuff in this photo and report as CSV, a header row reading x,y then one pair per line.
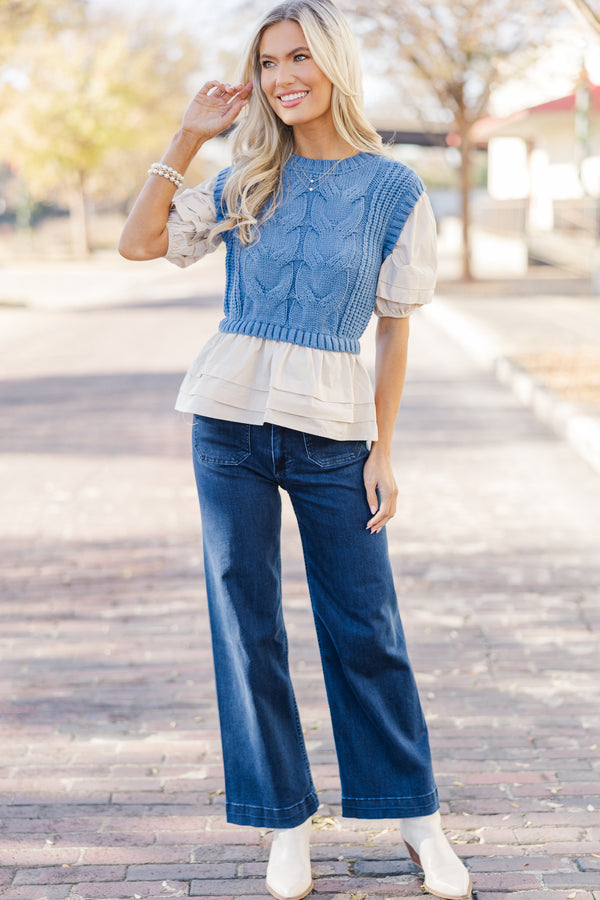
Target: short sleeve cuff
x,y
395,309
408,274
191,219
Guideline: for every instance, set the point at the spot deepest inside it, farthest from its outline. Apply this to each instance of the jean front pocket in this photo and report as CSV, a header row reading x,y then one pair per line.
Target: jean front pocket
x,y
220,443
326,452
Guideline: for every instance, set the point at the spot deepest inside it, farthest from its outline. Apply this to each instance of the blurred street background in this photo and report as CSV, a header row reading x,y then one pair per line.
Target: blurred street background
x,y
111,783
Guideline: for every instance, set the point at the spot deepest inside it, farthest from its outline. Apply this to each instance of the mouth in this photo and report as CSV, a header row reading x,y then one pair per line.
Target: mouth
x,y
292,99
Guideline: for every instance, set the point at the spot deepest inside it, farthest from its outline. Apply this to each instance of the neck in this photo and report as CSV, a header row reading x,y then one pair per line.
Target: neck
x,y
315,144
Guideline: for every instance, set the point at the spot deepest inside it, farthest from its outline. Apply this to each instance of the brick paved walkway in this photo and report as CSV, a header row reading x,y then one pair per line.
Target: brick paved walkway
x,y
110,776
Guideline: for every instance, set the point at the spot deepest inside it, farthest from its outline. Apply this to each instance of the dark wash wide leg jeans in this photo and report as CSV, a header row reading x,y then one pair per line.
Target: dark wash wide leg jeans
x,y
380,733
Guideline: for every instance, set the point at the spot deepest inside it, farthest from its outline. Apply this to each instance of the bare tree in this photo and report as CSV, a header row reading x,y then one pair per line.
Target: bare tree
x,y
589,10
461,51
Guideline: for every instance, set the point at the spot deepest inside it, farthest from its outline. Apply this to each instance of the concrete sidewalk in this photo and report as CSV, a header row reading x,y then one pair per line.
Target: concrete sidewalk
x,y
545,347
536,329
110,776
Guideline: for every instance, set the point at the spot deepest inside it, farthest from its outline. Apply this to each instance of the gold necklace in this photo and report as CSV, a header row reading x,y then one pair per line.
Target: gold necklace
x,y
314,181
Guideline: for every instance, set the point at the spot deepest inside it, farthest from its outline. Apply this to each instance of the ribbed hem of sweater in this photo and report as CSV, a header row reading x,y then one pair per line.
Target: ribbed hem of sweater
x,y
290,334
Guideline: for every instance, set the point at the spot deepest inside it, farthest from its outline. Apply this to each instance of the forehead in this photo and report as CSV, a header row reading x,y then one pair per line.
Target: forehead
x,y
279,39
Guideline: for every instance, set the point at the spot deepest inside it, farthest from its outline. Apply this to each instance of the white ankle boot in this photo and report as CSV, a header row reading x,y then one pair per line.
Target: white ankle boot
x,y
445,874
288,873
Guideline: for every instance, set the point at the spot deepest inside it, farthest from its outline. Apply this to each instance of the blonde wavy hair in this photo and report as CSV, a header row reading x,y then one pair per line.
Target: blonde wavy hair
x,y
262,143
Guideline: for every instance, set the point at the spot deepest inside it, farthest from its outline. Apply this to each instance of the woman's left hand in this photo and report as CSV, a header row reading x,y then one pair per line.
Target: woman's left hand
x,y
381,487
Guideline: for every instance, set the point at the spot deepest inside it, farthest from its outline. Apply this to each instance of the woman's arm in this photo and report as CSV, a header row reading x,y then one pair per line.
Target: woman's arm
x,y
390,373
212,111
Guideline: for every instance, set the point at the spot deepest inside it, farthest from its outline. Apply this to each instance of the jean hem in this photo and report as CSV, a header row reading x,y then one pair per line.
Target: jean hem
x,y
390,807
263,817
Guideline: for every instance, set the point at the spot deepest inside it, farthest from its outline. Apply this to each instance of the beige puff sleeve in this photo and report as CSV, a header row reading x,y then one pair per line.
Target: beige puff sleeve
x,y
407,276
191,218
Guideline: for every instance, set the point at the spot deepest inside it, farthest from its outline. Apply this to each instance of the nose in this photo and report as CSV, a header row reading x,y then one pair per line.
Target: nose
x,y
285,76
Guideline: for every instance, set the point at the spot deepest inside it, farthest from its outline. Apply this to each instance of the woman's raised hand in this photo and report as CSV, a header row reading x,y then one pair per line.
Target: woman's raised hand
x,y
214,108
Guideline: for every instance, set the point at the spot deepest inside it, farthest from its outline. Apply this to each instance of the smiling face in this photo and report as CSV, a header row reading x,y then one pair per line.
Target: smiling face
x,y
295,87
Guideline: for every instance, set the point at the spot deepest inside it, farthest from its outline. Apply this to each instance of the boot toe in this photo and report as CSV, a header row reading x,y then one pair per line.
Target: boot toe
x,y
289,890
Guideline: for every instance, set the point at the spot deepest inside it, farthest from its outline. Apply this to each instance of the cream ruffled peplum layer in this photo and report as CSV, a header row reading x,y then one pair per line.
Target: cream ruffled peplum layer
x,y
255,380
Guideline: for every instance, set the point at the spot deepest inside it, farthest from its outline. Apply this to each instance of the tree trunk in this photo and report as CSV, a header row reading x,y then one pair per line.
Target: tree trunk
x,y
465,189
80,239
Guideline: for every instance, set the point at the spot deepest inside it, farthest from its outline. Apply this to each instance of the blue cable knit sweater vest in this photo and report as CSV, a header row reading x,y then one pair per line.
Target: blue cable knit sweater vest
x,y
310,278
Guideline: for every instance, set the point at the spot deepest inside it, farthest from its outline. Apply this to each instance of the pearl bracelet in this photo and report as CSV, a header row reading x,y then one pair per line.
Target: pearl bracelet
x,y
166,172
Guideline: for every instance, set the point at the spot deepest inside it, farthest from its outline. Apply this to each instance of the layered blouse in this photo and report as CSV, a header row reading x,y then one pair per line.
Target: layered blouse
x,y
254,380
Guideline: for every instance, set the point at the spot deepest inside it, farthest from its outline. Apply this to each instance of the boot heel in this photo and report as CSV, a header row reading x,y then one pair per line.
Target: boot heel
x,y
413,854
445,874
288,871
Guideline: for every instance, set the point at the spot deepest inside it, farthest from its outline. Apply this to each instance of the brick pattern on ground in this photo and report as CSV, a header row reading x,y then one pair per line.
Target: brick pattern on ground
x,y
111,782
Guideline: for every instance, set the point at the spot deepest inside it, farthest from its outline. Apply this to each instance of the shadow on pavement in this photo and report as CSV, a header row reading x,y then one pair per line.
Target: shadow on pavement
x,y
102,415
208,301
132,413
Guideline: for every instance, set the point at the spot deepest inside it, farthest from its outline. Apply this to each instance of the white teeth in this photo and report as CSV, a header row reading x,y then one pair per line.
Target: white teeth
x,y
298,96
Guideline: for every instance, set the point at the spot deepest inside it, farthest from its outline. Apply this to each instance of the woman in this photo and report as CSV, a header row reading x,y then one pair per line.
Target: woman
x,y
321,228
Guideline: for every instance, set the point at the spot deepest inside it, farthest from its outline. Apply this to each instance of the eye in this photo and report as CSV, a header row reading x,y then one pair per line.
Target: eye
x,y
300,57
267,63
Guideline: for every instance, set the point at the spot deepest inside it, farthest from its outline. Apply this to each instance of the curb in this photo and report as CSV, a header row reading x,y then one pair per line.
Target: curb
x,y
581,431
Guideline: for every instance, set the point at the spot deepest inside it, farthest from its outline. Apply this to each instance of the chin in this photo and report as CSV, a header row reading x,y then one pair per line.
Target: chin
x,y
297,116
294,120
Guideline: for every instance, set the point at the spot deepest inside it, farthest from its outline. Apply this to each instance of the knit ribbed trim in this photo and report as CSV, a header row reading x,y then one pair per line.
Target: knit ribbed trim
x,y
218,192
411,190
291,335
320,166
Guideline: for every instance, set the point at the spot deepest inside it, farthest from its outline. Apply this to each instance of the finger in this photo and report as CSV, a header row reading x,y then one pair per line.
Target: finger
x,y
378,521
224,89
378,524
372,498
208,87
219,89
386,512
233,110
244,90
241,98
240,92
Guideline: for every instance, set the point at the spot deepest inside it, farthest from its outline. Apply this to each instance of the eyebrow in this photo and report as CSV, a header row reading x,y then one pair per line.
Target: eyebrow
x,y
291,53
